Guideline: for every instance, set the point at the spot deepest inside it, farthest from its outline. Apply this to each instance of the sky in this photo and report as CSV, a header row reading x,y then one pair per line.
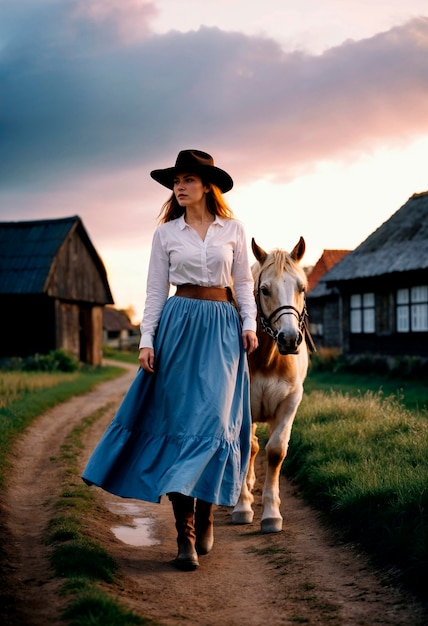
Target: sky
x,y
318,110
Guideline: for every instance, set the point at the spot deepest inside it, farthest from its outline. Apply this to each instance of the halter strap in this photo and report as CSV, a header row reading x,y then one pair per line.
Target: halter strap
x,y
286,309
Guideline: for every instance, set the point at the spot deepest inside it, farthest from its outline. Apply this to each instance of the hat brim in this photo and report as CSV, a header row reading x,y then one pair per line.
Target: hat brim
x,y
211,173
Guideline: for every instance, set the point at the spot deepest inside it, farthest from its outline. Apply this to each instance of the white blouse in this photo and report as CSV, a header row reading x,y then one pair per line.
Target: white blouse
x,y
180,256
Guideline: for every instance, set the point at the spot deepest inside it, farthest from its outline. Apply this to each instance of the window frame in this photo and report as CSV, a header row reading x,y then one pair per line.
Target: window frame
x,y
362,313
411,309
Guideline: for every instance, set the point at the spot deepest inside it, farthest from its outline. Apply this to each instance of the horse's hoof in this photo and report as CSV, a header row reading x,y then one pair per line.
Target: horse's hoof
x,y
271,525
242,517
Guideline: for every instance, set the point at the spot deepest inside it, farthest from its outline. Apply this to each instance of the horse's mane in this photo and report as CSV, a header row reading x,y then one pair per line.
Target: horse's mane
x,y
281,261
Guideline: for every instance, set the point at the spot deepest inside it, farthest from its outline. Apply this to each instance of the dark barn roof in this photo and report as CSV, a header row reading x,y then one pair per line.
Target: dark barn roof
x,y
399,245
28,252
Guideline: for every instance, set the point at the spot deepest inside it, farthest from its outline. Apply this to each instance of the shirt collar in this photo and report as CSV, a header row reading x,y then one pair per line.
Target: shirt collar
x,y
182,224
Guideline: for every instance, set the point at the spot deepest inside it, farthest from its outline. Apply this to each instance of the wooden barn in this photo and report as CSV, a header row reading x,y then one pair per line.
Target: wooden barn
x,y
324,303
382,286
53,287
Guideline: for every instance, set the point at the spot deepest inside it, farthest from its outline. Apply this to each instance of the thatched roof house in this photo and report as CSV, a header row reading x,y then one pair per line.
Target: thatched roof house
x,y
383,286
399,245
53,287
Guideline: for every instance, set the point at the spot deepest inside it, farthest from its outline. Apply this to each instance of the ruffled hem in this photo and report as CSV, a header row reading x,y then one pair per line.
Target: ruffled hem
x,y
201,467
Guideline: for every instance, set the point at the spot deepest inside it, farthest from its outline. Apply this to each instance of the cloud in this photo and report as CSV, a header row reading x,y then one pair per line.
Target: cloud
x,y
90,93
128,19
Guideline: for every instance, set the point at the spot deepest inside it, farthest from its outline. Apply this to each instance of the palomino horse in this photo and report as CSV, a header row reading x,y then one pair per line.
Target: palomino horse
x,y
278,369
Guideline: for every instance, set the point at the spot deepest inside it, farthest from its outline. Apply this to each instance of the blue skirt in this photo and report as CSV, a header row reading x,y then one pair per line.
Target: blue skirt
x,y
187,427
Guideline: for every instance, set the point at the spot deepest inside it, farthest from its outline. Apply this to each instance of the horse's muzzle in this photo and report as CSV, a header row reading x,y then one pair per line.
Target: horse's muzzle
x,y
289,344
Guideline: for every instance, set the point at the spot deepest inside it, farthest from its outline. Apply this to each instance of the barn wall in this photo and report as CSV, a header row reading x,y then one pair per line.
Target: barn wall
x,y
75,276
37,324
91,335
79,331
97,335
67,327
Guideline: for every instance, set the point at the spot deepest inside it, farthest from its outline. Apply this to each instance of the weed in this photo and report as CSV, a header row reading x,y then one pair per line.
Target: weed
x,y
95,608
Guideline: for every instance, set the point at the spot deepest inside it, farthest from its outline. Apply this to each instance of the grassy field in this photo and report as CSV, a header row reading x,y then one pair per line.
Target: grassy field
x,y
16,385
25,395
359,451
413,394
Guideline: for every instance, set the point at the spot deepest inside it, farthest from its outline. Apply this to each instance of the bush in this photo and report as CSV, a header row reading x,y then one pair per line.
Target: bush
x,y
326,360
54,361
403,367
409,367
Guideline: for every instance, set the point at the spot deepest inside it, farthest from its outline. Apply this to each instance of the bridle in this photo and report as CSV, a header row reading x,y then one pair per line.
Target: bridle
x,y
286,309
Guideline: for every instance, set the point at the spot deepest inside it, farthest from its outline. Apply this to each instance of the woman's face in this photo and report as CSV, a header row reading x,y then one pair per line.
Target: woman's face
x,y
189,190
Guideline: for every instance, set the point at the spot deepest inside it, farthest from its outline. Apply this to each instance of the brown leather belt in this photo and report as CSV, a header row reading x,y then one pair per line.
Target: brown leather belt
x,y
219,294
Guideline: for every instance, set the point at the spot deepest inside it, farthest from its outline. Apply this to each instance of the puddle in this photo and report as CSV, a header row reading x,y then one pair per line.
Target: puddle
x,y
141,530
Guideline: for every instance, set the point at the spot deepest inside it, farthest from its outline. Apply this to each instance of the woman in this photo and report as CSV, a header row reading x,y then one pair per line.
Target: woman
x,y
183,428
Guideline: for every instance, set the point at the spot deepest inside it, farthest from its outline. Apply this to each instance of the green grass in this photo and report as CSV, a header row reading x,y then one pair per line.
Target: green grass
x,y
15,385
125,356
413,394
95,608
361,458
30,394
77,556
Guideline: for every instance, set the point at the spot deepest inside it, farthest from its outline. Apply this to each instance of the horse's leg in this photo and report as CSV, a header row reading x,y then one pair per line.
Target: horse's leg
x,y
243,512
276,451
251,474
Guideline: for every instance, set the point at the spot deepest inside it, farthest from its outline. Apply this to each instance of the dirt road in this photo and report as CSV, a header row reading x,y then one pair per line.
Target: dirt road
x,y
302,575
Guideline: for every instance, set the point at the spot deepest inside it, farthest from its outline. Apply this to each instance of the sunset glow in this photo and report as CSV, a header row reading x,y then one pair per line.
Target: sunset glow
x,y
319,111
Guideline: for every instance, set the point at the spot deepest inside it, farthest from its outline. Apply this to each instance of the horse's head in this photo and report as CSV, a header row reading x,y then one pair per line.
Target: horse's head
x,y
280,287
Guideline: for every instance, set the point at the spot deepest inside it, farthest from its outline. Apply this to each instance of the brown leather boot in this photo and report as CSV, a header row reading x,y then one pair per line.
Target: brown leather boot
x,y
184,511
204,526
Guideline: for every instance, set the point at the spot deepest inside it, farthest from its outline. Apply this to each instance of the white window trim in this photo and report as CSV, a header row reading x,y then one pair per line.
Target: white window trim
x,y
363,313
412,309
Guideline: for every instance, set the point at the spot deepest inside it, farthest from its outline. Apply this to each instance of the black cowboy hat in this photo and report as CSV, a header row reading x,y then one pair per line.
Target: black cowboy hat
x,y
194,162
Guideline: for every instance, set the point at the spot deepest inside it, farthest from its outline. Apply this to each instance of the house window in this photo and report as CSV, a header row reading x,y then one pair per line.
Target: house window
x,y
412,309
363,313
316,329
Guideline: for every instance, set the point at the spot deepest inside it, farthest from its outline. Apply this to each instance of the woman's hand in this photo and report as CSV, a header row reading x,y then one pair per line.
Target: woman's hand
x,y
147,359
250,340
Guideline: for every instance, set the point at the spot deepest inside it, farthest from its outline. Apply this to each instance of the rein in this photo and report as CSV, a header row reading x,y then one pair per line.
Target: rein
x,y
286,309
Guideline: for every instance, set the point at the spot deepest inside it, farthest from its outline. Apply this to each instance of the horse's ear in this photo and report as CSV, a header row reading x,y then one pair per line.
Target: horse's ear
x,y
258,252
298,250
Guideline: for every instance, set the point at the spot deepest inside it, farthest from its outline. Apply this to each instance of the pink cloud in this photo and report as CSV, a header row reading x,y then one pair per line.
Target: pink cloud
x,y
81,111
348,101
131,19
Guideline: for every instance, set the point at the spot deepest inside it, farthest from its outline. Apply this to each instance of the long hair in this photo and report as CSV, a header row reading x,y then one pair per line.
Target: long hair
x,y
216,205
